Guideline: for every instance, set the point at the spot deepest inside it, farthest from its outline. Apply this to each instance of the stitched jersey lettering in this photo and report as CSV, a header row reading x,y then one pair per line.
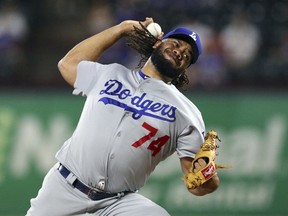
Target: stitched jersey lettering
x,y
139,104
156,145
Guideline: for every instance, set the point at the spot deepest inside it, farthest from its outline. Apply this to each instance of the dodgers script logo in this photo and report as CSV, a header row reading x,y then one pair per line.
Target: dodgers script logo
x,y
115,94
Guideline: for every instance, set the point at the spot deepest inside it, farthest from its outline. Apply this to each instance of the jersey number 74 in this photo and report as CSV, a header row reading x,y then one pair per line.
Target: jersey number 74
x,y
156,145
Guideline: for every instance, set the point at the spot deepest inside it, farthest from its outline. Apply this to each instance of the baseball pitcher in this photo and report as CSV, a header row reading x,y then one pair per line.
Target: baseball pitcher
x,y
131,121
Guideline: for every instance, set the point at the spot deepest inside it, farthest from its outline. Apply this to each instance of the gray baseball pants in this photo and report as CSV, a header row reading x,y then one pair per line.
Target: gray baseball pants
x,y
58,198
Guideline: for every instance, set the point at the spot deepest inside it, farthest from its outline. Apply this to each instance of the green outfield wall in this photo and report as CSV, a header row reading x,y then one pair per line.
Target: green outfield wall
x,y
253,128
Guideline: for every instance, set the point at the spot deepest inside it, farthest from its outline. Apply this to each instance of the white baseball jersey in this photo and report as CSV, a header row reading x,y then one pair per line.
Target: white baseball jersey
x,y
129,124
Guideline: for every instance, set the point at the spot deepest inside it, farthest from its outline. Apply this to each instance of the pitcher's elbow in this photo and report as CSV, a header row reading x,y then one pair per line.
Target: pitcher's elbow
x,y
67,71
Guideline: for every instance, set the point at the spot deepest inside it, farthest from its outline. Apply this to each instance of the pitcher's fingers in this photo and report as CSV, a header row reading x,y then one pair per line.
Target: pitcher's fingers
x,y
202,162
147,21
196,167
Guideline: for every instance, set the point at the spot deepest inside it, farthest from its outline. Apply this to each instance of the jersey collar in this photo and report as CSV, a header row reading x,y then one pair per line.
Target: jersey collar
x,y
143,75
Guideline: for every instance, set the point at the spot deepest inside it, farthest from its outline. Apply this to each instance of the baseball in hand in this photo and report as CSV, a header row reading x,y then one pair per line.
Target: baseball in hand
x,y
154,29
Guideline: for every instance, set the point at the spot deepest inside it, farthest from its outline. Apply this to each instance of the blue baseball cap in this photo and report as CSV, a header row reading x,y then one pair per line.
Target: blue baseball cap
x,y
190,37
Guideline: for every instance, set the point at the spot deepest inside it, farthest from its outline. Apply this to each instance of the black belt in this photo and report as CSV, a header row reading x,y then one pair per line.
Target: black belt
x,y
92,193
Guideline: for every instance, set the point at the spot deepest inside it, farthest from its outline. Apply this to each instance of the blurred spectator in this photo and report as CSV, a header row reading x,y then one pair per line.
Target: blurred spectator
x,y
241,41
284,47
131,9
100,17
275,66
13,31
125,10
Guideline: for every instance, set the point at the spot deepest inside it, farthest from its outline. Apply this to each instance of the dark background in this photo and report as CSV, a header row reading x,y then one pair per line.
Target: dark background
x,y
35,35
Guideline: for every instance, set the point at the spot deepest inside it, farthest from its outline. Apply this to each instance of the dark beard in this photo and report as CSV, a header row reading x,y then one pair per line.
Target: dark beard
x,y
164,66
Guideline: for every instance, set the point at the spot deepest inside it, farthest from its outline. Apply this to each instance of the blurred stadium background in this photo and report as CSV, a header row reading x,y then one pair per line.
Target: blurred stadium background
x,y
240,84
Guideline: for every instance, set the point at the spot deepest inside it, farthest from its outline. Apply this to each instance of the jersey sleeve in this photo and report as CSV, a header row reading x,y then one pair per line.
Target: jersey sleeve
x,y
192,136
189,142
87,74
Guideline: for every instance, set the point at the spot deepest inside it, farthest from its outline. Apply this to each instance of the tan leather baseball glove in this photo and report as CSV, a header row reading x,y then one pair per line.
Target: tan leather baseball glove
x,y
208,153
